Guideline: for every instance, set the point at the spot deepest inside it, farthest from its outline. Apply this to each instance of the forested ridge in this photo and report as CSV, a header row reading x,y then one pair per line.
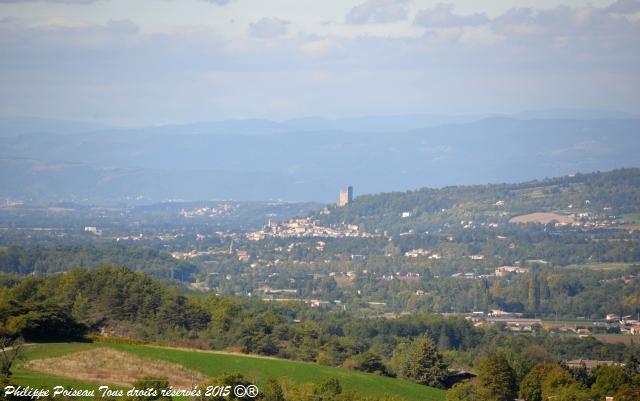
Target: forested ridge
x,y
617,191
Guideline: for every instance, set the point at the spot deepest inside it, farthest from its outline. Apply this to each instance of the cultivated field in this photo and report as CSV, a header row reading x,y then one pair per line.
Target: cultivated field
x,y
205,364
106,365
542,218
617,339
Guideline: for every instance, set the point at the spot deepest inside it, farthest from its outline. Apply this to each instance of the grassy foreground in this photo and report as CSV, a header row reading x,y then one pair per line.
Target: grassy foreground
x,y
257,369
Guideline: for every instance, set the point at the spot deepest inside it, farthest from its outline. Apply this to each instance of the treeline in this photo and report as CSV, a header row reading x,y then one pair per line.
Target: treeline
x,y
550,292
498,381
57,259
122,303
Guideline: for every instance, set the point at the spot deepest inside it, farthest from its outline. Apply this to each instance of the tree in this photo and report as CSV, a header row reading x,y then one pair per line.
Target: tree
x,y
557,383
463,392
531,385
443,340
496,379
366,362
546,382
533,299
272,391
230,380
609,379
632,364
423,364
327,390
10,351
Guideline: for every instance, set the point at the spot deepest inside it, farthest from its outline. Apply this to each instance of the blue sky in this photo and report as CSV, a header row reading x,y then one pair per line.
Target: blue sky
x,y
170,61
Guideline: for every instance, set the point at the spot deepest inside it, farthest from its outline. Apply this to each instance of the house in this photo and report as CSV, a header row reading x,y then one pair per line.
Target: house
x,y
243,256
583,332
589,363
315,303
612,317
93,230
504,270
414,253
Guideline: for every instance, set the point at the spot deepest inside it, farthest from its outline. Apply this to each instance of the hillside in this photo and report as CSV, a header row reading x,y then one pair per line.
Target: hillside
x,y
604,195
212,364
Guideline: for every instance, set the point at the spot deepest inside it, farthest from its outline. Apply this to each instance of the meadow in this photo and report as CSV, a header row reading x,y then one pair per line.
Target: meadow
x,y
203,364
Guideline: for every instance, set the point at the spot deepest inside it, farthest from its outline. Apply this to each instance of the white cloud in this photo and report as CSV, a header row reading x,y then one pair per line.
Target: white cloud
x,y
524,58
442,16
378,11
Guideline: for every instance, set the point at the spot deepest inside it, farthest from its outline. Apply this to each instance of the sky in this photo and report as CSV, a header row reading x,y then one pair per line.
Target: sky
x,y
148,62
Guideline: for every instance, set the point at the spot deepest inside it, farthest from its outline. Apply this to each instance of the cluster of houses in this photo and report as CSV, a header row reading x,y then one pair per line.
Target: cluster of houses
x,y
421,252
514,322
626,324
304,228
223,209
501,271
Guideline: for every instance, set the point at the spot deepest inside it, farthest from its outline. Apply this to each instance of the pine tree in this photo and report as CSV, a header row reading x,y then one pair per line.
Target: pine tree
x,y
423,364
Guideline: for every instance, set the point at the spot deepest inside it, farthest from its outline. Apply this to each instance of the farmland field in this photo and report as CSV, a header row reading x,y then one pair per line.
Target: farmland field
x,y
617,339
207,364
542,218
600,266
633,218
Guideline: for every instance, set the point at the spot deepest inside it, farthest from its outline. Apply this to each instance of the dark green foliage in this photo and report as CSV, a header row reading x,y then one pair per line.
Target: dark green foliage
x,y
39,321
609,380
327,390
555,382
227,379
531,386
496,379
367,362
464,392
423,364
19,260
41,308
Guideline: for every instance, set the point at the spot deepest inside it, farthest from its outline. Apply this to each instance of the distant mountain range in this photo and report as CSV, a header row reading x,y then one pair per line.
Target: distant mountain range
x,y
307,159
15,126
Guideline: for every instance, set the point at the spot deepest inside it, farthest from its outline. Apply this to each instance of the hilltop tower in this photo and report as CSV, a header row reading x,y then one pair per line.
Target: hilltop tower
x,y
346,196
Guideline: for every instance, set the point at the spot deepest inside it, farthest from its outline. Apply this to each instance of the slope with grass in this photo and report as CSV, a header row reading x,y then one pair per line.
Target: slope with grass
x,y
210,364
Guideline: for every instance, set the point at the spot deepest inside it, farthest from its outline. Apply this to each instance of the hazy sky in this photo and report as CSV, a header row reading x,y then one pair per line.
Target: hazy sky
x,y
159,61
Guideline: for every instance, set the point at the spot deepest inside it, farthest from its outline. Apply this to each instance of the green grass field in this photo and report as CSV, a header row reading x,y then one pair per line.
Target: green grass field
x,y
633,218
212,364
600,266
